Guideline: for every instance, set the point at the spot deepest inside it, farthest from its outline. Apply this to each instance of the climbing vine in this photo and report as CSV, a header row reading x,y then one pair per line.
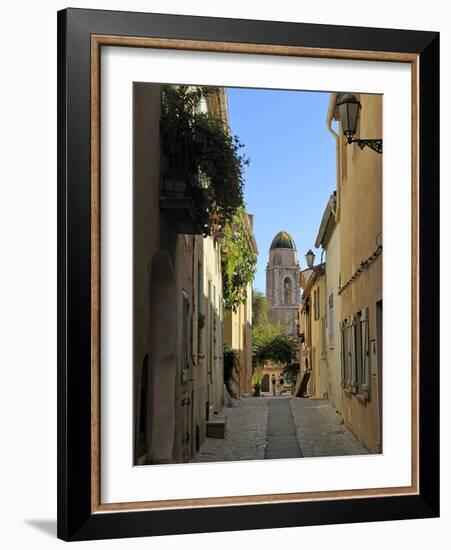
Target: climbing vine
x,y
238,262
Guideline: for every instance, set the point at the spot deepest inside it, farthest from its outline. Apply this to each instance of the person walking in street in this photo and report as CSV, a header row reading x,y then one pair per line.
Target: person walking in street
x,y
281,382
273,383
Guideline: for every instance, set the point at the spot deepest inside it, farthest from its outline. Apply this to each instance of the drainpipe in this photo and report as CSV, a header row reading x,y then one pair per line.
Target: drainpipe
x,y
330,114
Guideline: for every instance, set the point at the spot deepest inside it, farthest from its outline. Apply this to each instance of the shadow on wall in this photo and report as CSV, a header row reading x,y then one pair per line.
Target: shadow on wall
x,y
162,360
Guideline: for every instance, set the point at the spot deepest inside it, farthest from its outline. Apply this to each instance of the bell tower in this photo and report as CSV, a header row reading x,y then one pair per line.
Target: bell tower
x,y
282,282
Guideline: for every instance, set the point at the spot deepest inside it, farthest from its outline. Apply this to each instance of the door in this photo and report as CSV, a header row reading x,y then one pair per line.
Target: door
x,y
186,396
379,351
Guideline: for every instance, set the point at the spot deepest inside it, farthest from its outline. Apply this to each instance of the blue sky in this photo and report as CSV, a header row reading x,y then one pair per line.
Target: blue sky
x,y
292,165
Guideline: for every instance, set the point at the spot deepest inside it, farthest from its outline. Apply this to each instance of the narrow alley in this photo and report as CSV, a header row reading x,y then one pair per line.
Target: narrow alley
x,y
280,427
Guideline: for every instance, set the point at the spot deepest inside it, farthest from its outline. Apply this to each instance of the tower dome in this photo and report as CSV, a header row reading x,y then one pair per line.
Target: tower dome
x,y
283,240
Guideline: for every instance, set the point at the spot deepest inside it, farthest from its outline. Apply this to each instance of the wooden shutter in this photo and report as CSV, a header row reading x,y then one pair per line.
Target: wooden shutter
x,y
366,353
352,353
185,337
330,319
342,352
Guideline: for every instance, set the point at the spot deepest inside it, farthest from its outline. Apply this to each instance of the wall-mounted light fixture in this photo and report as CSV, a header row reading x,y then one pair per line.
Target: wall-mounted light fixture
x,y
310,258
348,111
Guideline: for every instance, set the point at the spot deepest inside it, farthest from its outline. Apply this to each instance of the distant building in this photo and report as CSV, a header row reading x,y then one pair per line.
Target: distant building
x,y
329,239
282,282
312,326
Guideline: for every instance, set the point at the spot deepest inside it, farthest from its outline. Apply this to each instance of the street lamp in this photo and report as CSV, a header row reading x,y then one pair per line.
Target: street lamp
x,y
310,258
348,111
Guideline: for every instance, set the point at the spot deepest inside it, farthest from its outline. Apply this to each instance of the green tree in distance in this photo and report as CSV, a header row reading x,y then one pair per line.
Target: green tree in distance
x,y
259,308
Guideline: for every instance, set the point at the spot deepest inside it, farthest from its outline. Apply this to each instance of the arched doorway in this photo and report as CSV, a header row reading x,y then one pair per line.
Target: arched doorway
x,y
264,384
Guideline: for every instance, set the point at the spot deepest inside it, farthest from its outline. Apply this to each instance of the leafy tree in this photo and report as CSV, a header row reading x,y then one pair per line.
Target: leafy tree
x,y
259,308
263,333
271,344
290,372
280,349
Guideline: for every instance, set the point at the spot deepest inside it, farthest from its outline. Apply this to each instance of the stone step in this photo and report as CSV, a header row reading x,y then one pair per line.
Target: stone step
x,y
216,427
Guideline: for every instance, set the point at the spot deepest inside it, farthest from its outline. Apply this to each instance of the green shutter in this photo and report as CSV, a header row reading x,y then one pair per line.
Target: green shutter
x,y
366,386
342,352
348,352
352,353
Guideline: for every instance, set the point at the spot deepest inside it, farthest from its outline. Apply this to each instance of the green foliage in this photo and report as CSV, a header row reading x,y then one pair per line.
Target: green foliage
x,y
199,151
238,262
259,308
264,333
257,375
280,349
231,365
290,372
272,345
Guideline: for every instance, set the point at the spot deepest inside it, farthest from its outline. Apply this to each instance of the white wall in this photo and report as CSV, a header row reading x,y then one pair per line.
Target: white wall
x,y
28,274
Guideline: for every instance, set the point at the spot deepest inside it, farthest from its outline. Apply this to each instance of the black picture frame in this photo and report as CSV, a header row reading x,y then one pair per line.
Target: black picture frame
x,y
75,518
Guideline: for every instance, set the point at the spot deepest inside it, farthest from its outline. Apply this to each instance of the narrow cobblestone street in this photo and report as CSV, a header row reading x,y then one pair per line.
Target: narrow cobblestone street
x,y
281,439
280,427
320,430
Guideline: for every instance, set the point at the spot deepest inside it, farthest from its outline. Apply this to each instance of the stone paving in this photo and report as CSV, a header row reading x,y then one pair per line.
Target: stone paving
x,y
280,427
245,437
281,431
320,429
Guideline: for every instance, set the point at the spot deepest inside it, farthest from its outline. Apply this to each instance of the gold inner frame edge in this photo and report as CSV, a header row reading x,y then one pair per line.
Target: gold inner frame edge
x,y
97,41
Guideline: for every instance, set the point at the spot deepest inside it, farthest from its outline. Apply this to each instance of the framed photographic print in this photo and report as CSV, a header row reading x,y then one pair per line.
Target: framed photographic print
x,y
248,274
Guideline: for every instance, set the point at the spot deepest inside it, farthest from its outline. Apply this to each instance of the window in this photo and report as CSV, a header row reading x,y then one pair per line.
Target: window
x,y
330,319
185,355
359,351
200,306
287,291
345,356
316,306
355,354
211,331
365,356
323,337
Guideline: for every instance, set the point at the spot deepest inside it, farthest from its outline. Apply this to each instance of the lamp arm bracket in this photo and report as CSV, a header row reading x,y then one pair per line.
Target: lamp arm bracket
x,y
374,144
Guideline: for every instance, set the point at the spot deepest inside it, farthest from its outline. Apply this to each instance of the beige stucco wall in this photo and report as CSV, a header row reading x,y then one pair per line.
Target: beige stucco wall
x,y
146,224
238,336
207,376
360,227
319,382
333,348
165,270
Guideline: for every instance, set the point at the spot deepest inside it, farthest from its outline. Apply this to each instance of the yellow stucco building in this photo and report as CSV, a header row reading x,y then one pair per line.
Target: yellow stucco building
x,y
359,215
312,327
329,239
